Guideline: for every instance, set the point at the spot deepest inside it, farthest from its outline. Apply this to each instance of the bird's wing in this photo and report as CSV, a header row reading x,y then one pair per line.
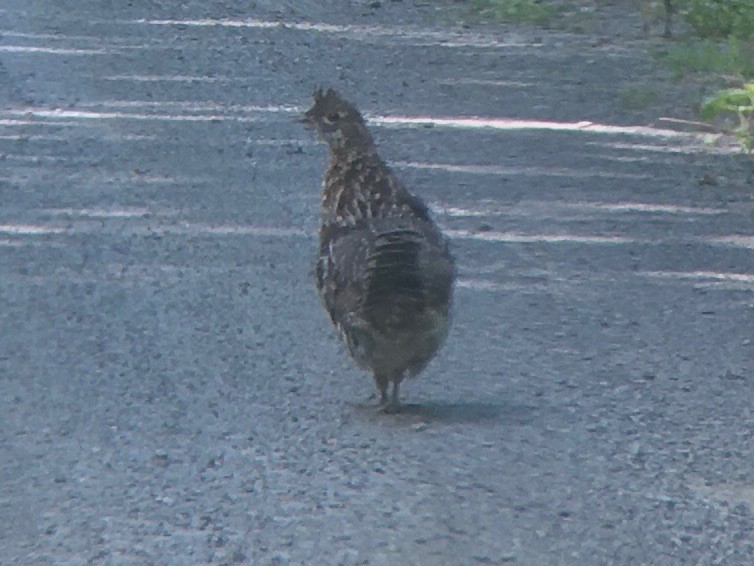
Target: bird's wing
x,y
368,190
343,254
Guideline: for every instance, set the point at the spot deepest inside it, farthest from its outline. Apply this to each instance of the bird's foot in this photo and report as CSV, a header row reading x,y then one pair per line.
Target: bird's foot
x,y
383,398
388,401
392,407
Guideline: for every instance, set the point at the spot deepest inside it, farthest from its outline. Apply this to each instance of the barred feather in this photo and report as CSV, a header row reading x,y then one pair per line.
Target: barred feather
x,y
384,272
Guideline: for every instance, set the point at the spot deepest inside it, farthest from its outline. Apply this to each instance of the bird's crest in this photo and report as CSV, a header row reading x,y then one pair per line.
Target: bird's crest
x,y
338,122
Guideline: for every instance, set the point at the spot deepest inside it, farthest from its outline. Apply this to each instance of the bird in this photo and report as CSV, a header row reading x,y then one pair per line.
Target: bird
x,y
384,271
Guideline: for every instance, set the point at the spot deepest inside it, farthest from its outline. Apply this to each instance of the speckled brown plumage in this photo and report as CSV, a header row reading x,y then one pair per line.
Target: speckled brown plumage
x,y
384,273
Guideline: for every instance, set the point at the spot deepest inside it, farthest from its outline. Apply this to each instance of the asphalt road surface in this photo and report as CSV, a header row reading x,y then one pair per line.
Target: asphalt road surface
x,y
171,391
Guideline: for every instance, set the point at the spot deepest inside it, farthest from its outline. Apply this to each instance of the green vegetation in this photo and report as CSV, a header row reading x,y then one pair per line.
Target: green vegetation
x,y
514,11
569,16
722,43
731,57
635,97
717,46
720,19
738,102
723,52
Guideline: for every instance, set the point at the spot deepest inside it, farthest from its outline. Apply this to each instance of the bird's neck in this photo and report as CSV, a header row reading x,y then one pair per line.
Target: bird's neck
x,y
357,186
353,153
350,166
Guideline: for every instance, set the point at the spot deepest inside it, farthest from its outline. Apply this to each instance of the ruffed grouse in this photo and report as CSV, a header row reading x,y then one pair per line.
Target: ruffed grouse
x,y
385,274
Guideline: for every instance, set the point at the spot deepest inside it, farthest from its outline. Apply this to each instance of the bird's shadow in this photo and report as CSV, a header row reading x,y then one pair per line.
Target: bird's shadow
x,y
458,412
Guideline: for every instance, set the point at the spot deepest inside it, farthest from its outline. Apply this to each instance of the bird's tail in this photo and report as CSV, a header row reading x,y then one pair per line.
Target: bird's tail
x,y
395,288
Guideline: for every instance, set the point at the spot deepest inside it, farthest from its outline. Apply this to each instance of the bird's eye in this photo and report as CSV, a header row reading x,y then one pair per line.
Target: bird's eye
x,y
332,118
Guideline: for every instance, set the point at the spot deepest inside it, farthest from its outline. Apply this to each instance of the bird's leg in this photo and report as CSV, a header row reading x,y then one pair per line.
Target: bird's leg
x,y
394,405
382,382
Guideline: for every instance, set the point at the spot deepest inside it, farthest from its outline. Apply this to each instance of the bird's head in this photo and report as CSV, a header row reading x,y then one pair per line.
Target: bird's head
x,y
338,122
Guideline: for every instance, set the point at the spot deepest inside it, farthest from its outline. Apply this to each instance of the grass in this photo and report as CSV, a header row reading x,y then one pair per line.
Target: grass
x,y
738,102
635,97
727,58
719,19
722,53
514,11
720,62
